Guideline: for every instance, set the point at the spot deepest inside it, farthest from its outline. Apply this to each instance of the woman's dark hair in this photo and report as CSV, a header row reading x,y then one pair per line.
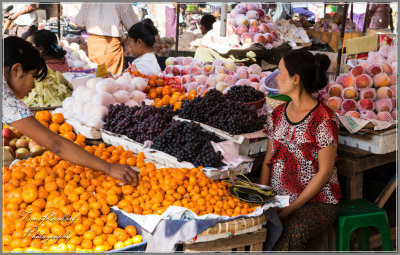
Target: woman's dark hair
x,y
144,30
207,21
311,69
17,50
48,40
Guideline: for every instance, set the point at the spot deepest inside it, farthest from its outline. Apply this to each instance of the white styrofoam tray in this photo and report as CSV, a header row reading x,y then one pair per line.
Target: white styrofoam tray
x,y
80,128
247,146
382,143
124,141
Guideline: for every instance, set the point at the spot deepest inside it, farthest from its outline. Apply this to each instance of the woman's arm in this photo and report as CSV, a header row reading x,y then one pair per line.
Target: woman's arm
x,y
265,172
326,161
68,150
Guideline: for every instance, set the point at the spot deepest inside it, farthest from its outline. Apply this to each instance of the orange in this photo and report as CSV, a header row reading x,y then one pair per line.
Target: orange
x,y
15,196
98,241
131,230
137,239
127,189
89,235
69,135
58,230
80,229
120,234
112,199
54,127
65,128
43,116
86,244
57,118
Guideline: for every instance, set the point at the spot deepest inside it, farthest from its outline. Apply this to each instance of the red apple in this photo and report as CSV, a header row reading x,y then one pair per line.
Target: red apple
x,y
8,133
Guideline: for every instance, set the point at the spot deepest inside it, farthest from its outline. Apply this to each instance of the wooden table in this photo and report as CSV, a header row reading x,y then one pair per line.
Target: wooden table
x,y
352,163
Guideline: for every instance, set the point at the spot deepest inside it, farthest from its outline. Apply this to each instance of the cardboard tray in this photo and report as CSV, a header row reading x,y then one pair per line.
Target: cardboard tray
x,y
80,128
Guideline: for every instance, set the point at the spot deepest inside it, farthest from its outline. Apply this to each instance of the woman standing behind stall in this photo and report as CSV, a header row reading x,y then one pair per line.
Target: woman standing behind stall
x,y
46,42
141,40
301,153
22,64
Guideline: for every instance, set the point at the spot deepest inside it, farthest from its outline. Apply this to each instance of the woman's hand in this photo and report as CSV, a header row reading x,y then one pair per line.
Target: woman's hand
x,y
285,212
124,173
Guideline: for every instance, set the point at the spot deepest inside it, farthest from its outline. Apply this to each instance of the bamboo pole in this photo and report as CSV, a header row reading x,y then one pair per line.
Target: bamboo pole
x,y
340,48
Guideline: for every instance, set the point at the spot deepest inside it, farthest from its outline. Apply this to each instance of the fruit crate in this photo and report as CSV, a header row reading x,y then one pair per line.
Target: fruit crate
x,y
249,144
139,247
162,159
83,129
381,142
124,141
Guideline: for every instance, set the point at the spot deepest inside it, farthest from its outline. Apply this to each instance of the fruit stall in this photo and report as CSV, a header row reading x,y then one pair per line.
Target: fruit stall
x,y
193,133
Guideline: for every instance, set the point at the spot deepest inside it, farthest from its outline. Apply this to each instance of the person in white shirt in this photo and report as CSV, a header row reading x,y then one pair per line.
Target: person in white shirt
x,y
141,41
105,23
25,21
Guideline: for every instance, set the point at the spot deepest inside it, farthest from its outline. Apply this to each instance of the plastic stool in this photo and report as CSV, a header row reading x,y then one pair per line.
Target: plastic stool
x,y
359,215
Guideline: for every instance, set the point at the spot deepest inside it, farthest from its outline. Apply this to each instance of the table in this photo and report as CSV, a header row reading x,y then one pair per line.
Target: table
x,y
352,162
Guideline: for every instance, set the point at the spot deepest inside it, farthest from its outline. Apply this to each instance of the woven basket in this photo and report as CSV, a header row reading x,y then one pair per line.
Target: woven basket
x,y
235,225
273,103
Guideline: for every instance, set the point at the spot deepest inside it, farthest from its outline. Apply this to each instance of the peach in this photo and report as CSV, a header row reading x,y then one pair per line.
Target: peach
x,y
268,37
221,86
252,15
382,80
349,105
200,79
241,74
370,115
251,7
243,82
207,69
357,70
384,105
219,69
259,38
195,70
386,68
275,34
240,9
394,103
242,21
373,70
246,38
255,85
218,62
334,103
221,77
169,61
263,28
185,70
254,69
340,112
254,78
261,12
394,114
253,22
368,93
253,30
384,116
366,104
345,80
349,93
335,90
178,61
176,70
230,79
197,62
393,79
353,114
211,81
241,30
201,89
186,79
268,46
364,81
384,92
394,90
187,61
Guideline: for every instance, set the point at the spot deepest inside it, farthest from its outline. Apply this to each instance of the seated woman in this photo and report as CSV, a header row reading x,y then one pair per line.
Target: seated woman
x,y
206,23
46,42
301,152
141,40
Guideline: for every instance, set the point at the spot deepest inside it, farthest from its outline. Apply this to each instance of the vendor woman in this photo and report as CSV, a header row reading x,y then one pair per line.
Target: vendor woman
x,y
141,40
22,64
302,144
46,42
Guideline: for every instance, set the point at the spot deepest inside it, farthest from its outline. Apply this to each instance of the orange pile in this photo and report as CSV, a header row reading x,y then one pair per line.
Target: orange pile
x,y
174,100
47,185
189,188
56,124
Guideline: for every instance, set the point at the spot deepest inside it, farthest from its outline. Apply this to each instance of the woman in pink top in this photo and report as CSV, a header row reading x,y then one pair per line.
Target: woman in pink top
x,y
46,42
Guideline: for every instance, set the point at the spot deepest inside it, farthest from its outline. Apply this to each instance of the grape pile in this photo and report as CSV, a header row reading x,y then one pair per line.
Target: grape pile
x,y
216,110
187,141
138,123
244,94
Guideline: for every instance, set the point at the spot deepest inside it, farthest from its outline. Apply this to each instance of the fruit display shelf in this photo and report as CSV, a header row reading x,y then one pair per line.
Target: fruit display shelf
x,y
126,143
249,144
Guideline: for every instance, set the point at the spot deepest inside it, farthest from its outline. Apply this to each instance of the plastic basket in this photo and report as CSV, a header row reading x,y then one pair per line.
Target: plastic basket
x,y
140,247
258,104
270,84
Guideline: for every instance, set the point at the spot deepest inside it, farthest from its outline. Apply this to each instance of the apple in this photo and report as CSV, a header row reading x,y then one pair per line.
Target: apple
x,y
5,141
21,153
21,143
31,144
12,143
8,154
8,133
37,150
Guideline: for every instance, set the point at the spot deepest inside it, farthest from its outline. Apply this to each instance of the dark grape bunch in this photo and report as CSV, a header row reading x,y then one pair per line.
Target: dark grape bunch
x,y
244,94
187,141
216,110
138,123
